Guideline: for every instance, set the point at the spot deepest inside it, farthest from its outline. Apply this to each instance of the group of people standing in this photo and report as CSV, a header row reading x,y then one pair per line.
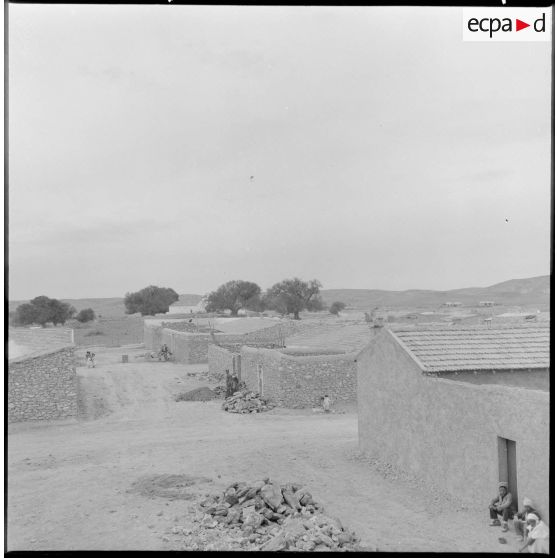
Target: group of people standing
x,y
529,527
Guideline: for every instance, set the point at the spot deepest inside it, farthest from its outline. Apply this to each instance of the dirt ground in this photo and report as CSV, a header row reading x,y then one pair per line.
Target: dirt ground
x,y
124,474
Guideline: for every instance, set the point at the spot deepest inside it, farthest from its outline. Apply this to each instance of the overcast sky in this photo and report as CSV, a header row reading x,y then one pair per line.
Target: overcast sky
x,y
186,146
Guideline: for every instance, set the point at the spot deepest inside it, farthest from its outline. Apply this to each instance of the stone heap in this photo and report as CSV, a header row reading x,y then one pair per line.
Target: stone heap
x,y
271,517
246,401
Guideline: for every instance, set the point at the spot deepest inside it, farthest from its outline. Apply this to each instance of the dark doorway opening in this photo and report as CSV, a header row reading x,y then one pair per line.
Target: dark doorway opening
x,y
507,466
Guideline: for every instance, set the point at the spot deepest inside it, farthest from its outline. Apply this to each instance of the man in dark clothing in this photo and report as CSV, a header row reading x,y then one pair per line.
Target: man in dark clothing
x,y
228,384
501,505
234,382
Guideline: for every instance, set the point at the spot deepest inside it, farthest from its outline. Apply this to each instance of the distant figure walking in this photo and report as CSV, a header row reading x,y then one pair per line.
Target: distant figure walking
x,y
90,359
326,403
501,505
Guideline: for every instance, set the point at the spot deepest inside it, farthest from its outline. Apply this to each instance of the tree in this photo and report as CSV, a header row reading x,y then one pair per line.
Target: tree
x,y
85,315
290,296
336,307
42,310
233,296
150,300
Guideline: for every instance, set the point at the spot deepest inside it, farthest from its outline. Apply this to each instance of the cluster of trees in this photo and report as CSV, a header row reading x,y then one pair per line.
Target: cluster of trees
x,y
43,310
289,296
150,300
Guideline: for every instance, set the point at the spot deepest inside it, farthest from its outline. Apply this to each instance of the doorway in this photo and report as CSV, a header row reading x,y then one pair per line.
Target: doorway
x,y
507,466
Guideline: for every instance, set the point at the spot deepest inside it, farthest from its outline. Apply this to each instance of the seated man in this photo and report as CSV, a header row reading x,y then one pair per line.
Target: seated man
x,y
520,520
501,505
538,539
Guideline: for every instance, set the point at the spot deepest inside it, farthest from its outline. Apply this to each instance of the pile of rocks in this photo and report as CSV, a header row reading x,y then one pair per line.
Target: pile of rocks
x,y
267,516
246,401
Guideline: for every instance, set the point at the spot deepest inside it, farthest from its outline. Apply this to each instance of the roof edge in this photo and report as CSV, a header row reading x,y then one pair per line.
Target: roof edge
x,y
407,350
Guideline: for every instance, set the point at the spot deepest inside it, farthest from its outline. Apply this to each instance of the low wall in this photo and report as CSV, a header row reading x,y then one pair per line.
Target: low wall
x,y
40,338
42,386
300,381
192,348
447,431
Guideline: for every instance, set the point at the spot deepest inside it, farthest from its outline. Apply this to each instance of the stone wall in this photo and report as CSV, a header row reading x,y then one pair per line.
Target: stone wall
x,y
42,386
447,431
300,381
192,348
220,359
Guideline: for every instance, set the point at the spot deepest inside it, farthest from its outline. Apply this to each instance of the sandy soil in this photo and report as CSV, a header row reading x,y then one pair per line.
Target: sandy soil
x,y
98,482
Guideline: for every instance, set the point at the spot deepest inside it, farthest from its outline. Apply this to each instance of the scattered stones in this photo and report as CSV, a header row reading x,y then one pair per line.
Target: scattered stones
x,y
246,401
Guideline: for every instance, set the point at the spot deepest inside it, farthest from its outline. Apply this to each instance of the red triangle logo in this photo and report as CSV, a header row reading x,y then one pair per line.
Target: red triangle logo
x,y
519,25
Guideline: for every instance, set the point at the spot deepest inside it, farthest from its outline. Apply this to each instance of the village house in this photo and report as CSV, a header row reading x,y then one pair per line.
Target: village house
x,y
180,308
462,408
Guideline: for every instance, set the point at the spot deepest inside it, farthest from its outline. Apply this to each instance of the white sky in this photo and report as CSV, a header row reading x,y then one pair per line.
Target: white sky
x,y
386,152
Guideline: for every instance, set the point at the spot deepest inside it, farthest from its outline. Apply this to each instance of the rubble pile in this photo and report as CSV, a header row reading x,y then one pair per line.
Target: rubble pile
x,y
270,517
246,401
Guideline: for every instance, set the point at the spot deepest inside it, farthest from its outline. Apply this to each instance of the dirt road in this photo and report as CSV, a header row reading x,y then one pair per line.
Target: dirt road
x,y
73,484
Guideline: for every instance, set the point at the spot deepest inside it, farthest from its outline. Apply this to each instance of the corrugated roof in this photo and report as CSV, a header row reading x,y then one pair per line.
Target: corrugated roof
x,y
453,350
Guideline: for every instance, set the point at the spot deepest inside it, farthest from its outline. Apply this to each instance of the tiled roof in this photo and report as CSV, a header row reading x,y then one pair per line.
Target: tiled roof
x,y
453,350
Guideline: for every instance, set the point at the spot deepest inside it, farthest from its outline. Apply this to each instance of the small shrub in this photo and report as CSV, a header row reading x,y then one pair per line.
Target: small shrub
x,y
85,315
336,307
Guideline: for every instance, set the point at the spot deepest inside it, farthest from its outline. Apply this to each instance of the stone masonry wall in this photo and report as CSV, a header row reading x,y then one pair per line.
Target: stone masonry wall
x,y
447,431
300,381
42,386
220,359
192,348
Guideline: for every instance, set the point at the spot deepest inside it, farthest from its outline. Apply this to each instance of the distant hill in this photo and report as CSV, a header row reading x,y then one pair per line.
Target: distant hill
x,y
533,291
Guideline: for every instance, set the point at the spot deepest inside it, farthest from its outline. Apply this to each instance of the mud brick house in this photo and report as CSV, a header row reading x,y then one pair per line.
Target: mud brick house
x,y
42,383
462,408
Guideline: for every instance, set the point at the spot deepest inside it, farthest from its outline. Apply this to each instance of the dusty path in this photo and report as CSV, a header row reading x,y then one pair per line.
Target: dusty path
x,y
70,483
